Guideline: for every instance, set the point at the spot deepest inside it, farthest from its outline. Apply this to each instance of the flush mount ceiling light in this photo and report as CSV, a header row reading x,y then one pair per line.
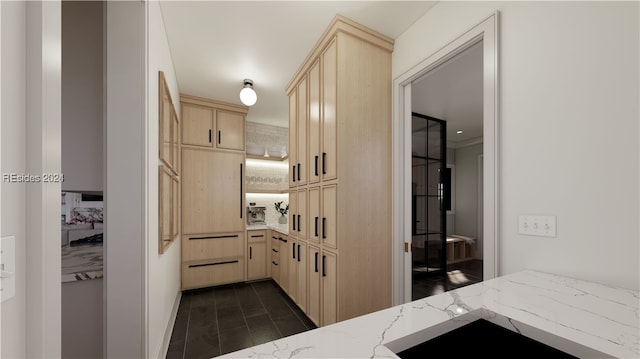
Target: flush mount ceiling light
x,y
247,94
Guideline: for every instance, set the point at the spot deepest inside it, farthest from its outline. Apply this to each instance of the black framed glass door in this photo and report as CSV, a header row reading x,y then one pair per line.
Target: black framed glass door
x,y
429,221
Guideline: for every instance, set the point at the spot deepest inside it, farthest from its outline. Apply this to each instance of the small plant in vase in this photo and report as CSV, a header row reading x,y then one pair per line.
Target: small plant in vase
x,y
283,212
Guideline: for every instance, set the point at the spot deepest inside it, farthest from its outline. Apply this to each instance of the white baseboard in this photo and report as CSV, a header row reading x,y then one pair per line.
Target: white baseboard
x,y
166,340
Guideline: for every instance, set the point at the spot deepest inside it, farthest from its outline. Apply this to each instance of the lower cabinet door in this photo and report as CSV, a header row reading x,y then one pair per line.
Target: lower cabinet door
x,y
313,307
301,265
257,260
208,273
329,282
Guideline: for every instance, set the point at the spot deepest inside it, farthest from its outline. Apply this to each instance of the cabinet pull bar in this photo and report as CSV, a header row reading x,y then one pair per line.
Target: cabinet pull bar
x,y
214,237
324,265
316,226
241,181
298,253
250,252
299,223
293,216
299,172
274,250
283,240
324,228
316,165
293,173
274,263
211,264
257,235
293,250
316,260
324,163
219,135
209,136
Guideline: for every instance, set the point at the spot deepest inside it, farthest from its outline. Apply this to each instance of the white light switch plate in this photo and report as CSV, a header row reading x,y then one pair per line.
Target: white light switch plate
x,y
532,225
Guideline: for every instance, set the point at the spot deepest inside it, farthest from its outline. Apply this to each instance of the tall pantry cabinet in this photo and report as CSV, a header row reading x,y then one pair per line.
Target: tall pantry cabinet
x,y
340,172
213,223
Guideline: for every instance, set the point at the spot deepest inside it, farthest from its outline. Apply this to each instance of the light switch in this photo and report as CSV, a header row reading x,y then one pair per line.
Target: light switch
x,y
7,267
532,225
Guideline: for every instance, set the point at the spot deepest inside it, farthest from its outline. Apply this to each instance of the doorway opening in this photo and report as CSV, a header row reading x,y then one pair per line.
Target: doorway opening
x,y
457,85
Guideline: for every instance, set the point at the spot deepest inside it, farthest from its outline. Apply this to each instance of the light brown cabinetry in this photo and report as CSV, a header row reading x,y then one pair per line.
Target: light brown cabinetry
x,y
275,257
340,118
214,248
258,258
283,260
212,124
298,213
210,259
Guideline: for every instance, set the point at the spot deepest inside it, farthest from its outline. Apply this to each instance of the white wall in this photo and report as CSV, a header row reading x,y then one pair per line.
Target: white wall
x,y
568,123
13,153
82,95
126,211
466,187
163,269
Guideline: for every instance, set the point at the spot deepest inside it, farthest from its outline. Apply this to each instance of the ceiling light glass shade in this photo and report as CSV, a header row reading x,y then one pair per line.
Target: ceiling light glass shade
x,y
247,94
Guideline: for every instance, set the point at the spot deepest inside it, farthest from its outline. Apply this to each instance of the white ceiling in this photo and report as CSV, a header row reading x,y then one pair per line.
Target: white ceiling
x,y
453,92
217,44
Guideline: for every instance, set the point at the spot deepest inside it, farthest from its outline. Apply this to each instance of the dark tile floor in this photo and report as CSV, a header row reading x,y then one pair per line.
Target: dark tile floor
x,y
215,321
458,275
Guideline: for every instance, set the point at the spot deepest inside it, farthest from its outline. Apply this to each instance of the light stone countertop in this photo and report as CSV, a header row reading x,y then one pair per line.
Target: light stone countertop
x,y
582,318
282,228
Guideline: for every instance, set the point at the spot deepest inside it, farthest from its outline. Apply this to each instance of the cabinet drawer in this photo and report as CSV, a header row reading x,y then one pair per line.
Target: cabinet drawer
x,y
214,272
203,247
256,236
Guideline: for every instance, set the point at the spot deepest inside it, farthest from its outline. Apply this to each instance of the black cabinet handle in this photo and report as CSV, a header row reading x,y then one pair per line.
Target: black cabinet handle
x,y
324,228
282,240
324,163
211,264
257,235
299,223
209,136
293,216
298,253
214,237
274,263
316,226
219,136
293,177
241,182
274,250
293,250
250,253
324,265
316,260
316,165
299,172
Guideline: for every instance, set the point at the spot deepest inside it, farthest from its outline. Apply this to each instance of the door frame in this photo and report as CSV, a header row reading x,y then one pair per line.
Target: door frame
x,y
487,32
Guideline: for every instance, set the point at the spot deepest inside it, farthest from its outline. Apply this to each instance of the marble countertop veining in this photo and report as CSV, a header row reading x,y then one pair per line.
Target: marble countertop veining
x,y
579,317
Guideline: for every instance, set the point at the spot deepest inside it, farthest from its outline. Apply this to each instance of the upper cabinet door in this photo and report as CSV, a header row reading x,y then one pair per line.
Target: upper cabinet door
x,y
229,130
197,125
301,171
328,157
314,123
293,139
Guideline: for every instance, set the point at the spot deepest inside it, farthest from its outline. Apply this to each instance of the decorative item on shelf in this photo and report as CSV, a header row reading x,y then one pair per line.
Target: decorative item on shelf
x,y
248,94
283,212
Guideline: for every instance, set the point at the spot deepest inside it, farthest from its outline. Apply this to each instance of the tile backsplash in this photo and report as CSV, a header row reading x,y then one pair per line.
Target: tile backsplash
x,y
268,200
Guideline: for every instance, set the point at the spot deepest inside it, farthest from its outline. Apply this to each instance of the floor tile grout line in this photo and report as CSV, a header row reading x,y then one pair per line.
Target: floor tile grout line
x,y
265,308
186,332
215,310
